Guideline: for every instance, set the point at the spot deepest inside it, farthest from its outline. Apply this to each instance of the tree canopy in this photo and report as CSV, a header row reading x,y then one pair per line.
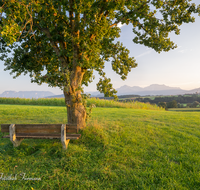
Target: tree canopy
x,y
62,42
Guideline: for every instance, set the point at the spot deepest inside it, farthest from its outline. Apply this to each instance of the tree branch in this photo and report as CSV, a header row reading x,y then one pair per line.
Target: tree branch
x,y
124,17
71,15
102,10
54,45
2,8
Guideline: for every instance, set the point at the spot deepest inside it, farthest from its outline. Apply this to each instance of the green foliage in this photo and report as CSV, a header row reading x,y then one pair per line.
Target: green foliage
x,y
162,104
105,87
172,104
119,149
51,39
193,105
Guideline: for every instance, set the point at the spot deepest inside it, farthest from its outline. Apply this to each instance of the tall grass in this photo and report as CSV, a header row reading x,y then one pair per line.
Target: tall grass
x,y
33,101
115,104
97,102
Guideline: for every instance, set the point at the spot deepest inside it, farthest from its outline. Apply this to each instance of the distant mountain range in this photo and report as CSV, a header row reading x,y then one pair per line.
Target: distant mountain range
x,y
154,89
26,94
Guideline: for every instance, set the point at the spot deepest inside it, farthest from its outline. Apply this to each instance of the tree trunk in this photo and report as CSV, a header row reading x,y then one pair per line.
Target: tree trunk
x,y
76,112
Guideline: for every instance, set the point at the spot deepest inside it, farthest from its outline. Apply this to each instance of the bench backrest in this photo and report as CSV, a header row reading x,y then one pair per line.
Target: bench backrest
x,y
39,128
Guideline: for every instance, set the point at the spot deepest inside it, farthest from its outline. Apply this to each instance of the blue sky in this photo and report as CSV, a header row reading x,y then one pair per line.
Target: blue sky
x,y
176,68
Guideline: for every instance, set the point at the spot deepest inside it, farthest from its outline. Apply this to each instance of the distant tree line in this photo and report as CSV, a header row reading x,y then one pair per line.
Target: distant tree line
x,y
180,99
166,105
195,104
174,104
191,101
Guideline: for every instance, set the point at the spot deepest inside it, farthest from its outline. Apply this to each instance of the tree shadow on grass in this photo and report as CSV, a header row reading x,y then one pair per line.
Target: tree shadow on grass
x,y
30,147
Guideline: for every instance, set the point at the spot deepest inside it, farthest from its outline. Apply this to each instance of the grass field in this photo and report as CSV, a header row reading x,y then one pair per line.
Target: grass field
x,y
97,102
120,148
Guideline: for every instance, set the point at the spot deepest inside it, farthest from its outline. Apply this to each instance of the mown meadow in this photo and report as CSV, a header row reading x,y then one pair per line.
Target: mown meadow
x,y
121,148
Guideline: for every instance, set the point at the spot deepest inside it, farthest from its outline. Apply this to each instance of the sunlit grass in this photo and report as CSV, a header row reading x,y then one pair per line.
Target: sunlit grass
x,y
33,101
120,148
97,102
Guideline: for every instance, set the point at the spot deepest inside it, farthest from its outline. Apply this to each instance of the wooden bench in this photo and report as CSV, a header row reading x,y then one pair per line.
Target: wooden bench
x,y
18,132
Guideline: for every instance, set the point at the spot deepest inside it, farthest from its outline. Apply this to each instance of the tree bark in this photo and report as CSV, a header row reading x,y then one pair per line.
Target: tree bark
x,y
76,112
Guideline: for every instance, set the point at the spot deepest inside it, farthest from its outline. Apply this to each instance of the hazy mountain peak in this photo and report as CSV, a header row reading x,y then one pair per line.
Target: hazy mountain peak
x,y
160,87
153,89
124,86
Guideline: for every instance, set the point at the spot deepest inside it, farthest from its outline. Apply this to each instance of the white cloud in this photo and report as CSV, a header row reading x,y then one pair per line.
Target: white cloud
x,y
143,54
183,51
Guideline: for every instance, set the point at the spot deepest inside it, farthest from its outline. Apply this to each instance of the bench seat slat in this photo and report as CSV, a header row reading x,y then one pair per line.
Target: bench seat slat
x,y
39,128
44,136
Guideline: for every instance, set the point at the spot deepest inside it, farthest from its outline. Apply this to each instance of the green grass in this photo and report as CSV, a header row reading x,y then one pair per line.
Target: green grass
x,y
97,102
119,149
39,101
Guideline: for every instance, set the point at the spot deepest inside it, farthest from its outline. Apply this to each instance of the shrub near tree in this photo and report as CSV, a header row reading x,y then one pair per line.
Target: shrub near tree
x,y
180,105
62,42
172,104
162,104
195,104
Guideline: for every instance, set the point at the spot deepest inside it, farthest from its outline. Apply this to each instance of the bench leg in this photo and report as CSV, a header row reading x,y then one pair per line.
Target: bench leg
x,y
65,144
16,141
63,137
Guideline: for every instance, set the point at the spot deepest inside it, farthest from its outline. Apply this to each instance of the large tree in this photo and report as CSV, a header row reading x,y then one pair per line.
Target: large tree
x,y
61,42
